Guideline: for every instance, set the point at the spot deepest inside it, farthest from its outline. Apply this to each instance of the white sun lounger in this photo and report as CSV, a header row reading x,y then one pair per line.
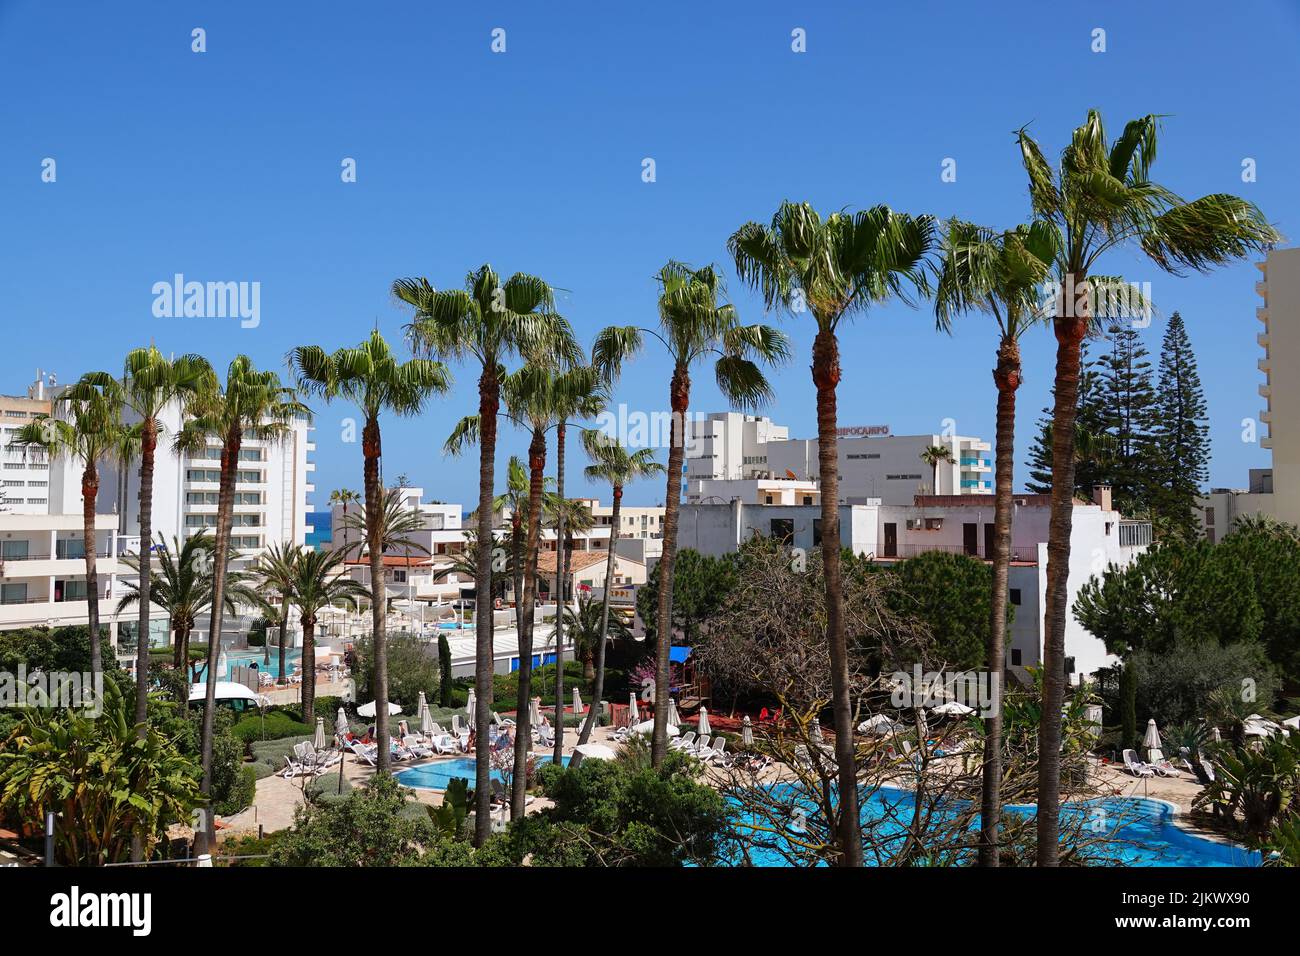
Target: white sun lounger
x,y
1136,767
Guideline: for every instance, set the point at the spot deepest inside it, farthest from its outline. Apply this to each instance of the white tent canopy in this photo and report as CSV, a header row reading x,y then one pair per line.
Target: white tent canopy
x,y
879,725
648,727
595,751
953,709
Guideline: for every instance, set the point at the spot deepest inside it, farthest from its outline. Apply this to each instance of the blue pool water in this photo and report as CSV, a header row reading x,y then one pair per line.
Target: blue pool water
x,y
248,658
1146,828
436,775
453,626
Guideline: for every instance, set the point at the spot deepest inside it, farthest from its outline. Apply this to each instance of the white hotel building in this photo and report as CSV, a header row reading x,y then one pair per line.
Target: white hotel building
x,y
731,447
960,524
42,580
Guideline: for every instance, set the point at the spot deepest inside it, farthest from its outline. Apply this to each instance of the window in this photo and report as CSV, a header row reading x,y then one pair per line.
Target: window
x,y
69,549
1015,596
902,477
769,499
38,484
13,593
14,550
782,528
1015,656
807,499
817,532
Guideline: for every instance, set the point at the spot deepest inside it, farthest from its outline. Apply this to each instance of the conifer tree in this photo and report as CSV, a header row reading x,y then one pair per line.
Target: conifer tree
x,y
1128,400
1181,440
1092,444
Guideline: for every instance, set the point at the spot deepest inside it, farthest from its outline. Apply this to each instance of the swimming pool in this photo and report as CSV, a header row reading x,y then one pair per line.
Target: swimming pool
x,y
249,658
436,775
1145,827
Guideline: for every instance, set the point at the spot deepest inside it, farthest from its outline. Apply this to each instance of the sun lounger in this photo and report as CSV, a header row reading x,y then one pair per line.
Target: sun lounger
x,y
685,742
417,746
1160,765
1136,767
367,754
720,756
544,735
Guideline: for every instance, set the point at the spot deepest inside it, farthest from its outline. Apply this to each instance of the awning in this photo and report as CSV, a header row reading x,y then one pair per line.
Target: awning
x,y
678,654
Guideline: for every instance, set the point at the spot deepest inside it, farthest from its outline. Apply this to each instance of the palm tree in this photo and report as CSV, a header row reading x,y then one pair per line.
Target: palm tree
x,y
397,523
344,497
833,268
589,624
150,382
372,378
1100,197
319,581
184,588
999,274
487,322
515,501
88,429
613,463
578,393
692,326
933,455
275,572
251,404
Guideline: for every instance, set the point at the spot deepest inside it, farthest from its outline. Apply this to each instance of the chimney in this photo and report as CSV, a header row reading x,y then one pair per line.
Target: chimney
x,y
1101,496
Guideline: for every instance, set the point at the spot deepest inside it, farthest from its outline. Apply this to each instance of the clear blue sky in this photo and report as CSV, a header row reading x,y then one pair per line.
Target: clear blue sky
x,y
225,166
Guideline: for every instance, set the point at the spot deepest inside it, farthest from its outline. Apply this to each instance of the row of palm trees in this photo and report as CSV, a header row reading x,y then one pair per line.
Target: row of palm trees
x,y
831,268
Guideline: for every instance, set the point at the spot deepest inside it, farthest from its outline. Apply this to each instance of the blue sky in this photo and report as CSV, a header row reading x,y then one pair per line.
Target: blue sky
x,y
225,166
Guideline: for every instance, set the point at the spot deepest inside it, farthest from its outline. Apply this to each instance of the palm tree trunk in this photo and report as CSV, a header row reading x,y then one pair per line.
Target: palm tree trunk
x,y
598,689
517,542
826,376
148,444
89,492
1007,378
1070,330
372,448
284,632
309,670
489,392
523,727
679,401
221,550
561,580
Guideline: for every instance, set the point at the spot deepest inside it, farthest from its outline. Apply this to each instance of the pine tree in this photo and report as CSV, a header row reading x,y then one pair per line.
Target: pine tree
x,y
1128,402
1181,435
1092,449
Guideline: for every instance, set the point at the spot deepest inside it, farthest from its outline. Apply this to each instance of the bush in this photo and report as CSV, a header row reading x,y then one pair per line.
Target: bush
x,y
370,827
278,725
241,792
1175,688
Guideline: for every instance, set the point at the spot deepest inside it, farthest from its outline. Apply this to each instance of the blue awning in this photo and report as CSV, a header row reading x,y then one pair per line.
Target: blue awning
x,y
678,654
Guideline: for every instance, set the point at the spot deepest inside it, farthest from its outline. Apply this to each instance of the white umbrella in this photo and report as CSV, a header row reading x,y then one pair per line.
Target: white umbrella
x,y
595,751
1151,739
341,724
747,732
816,729
319,741
1292,722
673,719
922,725
953,709
223,666
535,712
704,728
368,710
879,725
469,704
632,712
426,717
648,727
577,703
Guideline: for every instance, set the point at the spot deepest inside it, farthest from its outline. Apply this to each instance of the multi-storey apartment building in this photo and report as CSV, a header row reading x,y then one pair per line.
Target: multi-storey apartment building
x,y
24,472
728,447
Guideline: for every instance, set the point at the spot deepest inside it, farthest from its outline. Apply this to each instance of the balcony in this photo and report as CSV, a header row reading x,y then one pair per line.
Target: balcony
x,y
1263,364
1134,534
976,464
1261,313
1019,555
977,484
1262,339
1265,392
1265,416
1262,288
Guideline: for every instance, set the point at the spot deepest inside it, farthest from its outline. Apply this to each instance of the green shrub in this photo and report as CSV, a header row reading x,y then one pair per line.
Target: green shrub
x,y
274,726
369,827
241,793
412,667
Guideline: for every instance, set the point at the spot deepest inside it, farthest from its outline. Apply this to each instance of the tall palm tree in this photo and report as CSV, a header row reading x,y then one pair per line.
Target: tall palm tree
x,y
692,326
150,382
371,377
487,322
1101,196
87,428
934,455
275,571
319,581
580,393
183,588
1000,274
344,497
515,501
589,625
613,463
250,404
833,268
